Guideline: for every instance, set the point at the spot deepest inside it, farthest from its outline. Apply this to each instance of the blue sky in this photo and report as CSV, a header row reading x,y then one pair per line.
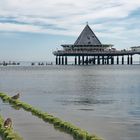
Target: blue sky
x,y
30,29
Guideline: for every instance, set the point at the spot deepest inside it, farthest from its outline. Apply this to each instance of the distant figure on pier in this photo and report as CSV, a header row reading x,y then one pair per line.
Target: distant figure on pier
x,y
32,63
8,123
16,96
18,63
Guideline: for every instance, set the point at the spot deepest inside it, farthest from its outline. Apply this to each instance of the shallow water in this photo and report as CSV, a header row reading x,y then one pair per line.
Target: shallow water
x,y
101,99
30,127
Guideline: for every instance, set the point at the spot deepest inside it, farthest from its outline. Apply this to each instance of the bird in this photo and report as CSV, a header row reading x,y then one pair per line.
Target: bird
x,y
8,123
16,96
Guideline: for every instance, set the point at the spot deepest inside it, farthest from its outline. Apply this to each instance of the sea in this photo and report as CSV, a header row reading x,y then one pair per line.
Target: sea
x,y
102,99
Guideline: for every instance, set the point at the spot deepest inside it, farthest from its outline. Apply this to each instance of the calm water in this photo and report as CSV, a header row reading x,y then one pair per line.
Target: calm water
x,y
104,100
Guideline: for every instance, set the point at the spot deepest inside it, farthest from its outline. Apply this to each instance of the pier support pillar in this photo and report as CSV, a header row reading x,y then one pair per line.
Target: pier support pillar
x,y
117,60
59,62
128,60
131,60
122,60
98,60
87,61
107,60
66,60
112,60
94,60
103,60
56,60
79,60
75,60
62,60
82,59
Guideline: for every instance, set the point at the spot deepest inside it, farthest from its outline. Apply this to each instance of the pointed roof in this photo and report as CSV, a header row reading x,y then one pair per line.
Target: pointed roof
x,y
87,37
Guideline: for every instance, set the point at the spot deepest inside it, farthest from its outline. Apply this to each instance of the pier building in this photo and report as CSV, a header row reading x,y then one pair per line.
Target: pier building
x,y
136,48
88,50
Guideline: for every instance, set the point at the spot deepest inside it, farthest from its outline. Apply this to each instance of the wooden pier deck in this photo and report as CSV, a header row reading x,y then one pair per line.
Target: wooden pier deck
x,y
96,53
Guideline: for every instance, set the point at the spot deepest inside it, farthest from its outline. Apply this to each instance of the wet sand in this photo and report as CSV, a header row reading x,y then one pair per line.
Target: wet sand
x,y
30,127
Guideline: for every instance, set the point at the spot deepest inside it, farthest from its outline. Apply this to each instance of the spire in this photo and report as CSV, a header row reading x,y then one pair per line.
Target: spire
x,y
87,37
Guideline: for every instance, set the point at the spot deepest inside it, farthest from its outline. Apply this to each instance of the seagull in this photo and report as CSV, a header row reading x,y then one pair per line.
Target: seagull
x,y
8,123
16,96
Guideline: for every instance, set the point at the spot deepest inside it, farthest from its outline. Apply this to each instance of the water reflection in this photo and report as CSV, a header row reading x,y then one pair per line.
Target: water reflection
x,y
135,113
84,101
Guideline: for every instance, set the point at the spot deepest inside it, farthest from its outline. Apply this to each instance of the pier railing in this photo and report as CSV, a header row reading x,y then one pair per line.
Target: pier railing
x,y
107,52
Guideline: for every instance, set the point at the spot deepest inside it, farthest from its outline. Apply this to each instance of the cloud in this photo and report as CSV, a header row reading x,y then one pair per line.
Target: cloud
x,y
67,17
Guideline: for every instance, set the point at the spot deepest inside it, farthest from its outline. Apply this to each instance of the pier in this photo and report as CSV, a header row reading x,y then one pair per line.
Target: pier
x,y
4,63
88,50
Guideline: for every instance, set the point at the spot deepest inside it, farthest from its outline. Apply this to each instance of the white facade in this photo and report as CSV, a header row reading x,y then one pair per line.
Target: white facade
x,y
137,48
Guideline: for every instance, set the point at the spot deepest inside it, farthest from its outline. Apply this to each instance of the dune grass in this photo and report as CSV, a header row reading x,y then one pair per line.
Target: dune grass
x,y
64,126
7,133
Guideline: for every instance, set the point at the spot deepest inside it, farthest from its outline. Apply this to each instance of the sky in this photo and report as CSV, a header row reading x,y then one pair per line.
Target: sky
x,y
30,30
